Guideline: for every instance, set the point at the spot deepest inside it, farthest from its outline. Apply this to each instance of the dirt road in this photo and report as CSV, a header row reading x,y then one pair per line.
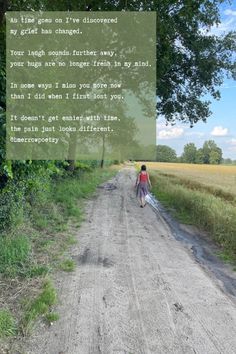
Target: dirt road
x,y
136,289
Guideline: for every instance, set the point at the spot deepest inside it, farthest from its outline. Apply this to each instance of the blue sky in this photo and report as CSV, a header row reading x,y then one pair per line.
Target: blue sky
x,y
221,125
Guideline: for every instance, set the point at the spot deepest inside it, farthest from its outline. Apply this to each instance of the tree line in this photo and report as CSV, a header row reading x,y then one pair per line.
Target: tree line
x,y
209,153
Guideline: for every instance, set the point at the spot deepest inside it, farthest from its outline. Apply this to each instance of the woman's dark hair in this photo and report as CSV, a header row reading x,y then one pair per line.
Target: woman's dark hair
x,y
143,168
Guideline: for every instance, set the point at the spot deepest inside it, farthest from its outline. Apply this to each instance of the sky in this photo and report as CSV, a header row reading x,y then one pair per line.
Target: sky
x,y
221,125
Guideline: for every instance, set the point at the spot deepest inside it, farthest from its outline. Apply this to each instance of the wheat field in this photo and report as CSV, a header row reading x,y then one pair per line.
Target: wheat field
x,y
202,195
218,176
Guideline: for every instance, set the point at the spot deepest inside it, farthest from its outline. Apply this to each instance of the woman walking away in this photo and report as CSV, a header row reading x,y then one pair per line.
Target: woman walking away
x,y
141,184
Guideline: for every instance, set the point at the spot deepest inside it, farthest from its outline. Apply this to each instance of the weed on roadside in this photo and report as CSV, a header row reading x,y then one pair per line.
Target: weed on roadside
x,y
68,265
227,257
38,306
52,317
7,324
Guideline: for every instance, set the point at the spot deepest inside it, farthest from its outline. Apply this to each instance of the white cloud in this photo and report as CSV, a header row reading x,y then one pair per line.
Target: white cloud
x,y
219,131
232,145
228,86
161,125
196,134
223,27
232,148
170,133
232,142
227,24
230,12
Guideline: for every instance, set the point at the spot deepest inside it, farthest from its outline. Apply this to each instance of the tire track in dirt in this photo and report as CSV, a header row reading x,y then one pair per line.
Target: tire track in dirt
x,y
136,289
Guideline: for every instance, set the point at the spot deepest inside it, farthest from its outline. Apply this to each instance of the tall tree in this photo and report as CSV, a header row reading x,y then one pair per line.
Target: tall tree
x,y
212,154
215,157
165,153
200,156
189,154
190,60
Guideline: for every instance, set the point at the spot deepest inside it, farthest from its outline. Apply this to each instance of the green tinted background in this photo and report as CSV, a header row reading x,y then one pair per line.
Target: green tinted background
x,y
132,38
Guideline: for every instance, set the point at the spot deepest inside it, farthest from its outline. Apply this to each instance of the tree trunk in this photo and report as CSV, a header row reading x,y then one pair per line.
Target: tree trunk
x,y
71,166
4,8
103,152
72,152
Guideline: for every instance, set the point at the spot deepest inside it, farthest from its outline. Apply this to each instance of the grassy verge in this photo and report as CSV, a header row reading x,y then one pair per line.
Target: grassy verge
x,y
201,208
39,246
40,305
67,194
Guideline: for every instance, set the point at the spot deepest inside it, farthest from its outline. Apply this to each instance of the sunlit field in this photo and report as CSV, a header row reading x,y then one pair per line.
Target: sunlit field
x,y
219,176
